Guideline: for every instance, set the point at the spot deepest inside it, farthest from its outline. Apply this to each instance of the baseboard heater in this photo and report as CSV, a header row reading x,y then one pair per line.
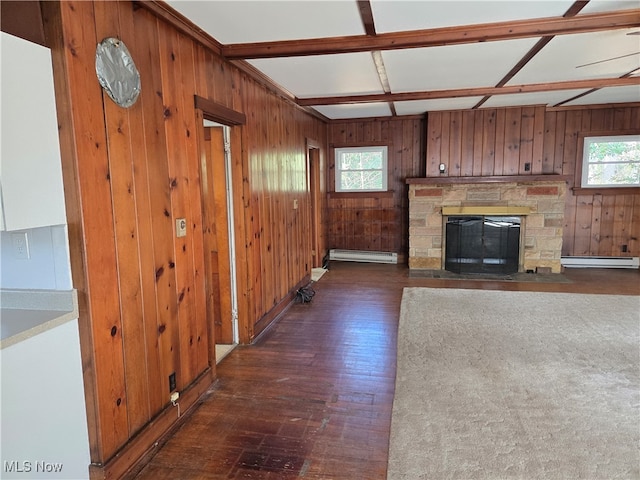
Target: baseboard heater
x,y
600,262
363,256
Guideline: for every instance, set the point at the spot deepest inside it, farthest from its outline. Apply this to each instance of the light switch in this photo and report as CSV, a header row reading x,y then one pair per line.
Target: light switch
x,y
181,227
295,204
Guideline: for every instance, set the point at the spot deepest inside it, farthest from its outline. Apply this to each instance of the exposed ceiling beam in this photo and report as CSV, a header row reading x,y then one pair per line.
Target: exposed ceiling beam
x,y
383,77
486,32
573,10
366,14
471,92
580,95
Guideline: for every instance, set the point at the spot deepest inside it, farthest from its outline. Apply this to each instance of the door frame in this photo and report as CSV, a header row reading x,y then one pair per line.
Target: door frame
x,y
314,186
232,122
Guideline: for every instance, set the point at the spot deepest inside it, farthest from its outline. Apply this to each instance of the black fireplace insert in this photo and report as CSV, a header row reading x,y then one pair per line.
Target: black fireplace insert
x,y
482,244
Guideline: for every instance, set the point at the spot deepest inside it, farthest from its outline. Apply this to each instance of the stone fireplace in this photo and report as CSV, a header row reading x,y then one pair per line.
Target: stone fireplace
x,y
538,201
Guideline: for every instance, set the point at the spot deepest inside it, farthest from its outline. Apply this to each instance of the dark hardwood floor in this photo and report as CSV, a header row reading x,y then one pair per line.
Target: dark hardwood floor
x,y
313,397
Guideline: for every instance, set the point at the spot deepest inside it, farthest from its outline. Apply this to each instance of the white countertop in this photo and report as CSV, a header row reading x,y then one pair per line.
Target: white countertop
x,y
25,313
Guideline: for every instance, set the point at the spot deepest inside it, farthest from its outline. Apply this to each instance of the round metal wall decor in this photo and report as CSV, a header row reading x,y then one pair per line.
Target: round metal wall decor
x,y
116,71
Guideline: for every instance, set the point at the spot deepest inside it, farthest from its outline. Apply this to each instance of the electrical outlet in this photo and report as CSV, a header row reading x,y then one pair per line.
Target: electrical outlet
x,y
172,382
174,397
20,242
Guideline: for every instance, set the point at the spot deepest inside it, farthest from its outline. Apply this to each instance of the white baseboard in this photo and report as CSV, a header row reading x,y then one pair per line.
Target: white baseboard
x,y
600,262
363,256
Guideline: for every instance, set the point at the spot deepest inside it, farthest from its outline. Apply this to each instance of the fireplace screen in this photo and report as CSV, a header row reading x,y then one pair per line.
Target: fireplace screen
x,y
482,244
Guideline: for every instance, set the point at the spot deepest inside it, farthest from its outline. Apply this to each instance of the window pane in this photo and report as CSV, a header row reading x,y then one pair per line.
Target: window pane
x,y
614,174
361,180
614,152
360,160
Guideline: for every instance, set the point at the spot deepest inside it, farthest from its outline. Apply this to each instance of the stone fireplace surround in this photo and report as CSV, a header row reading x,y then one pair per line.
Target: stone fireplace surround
x,y
538,199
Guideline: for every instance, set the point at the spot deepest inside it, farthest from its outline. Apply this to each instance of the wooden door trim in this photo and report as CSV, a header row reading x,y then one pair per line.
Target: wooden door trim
x,y
217,112
211,110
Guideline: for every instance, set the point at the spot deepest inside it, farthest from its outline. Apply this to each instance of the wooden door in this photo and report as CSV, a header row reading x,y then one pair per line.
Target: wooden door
x,y
217,236
313,169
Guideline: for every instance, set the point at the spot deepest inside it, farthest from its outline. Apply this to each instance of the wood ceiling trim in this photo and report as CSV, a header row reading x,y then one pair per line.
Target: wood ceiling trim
x,y
595,106
402,118
472,92
180,22
23,19
274,87
458,35
184,25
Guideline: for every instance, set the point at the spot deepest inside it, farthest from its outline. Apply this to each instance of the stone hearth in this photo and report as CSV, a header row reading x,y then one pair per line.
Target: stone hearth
x,y
538,200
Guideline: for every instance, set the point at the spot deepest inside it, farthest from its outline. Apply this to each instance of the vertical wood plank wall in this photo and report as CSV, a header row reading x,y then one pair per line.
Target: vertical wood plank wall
x,y
595,224
502,141
365,221
130,173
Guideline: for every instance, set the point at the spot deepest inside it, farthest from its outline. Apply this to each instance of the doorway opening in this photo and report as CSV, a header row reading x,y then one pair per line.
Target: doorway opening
x,y
222,302
313,180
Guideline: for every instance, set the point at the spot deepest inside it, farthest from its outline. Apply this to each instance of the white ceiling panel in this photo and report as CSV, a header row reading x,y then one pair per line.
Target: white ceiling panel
x,y
325,75
595,6
583,56
399,15
418,107
602,54
610,95
537,98
463,66
360,110
244,21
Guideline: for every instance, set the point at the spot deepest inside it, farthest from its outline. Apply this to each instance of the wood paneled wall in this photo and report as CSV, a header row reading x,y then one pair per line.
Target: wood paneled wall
x,y
129,174
503,141
485,142
375,221
595,224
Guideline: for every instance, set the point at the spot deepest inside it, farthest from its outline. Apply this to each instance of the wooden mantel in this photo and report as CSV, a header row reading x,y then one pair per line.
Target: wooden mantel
x,y
489,179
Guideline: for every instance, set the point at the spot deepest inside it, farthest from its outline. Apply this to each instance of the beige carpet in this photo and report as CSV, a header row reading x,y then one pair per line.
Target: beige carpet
x,y
516,385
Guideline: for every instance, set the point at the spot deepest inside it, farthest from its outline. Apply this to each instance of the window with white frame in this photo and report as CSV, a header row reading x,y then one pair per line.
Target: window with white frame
x,y
611,161
361,169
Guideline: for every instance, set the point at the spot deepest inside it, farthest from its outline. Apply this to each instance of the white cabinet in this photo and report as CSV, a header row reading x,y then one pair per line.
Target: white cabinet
x,y
30,167
43,407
